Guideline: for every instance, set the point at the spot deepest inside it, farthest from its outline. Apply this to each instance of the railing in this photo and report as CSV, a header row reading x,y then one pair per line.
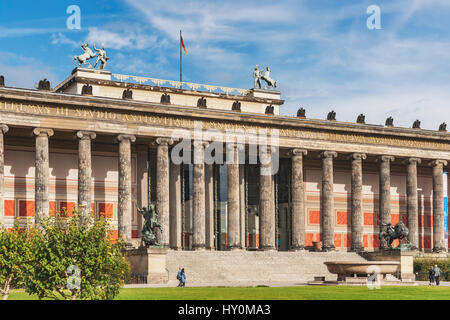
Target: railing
x,y
137,278
178,84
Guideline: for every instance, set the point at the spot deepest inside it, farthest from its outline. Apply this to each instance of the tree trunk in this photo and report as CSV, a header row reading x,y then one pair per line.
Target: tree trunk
x,y
6,289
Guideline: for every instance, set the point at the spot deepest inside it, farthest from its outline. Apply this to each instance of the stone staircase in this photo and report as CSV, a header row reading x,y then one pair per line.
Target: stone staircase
x,y
253,267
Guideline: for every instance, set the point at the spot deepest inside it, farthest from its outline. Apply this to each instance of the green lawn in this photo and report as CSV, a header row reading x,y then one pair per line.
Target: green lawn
x,y
276,293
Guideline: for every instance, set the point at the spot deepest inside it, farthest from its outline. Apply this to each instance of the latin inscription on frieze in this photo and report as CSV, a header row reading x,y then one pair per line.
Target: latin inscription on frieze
x,y
180,122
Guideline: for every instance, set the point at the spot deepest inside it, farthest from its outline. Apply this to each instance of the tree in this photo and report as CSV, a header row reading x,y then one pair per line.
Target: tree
x,y
16,256
76,258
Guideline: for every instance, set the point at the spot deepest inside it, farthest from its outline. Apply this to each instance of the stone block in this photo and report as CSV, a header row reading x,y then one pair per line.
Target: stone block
x,y
150,261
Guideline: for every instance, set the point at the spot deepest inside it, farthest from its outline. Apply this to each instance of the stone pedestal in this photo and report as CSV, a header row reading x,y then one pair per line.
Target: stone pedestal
x,y
150,261
406,258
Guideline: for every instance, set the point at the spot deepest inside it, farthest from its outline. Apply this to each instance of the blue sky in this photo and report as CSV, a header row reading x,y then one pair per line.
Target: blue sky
x,y
321,52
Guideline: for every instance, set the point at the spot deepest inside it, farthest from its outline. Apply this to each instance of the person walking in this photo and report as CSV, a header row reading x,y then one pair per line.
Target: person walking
x,y
437,273
183,278
431,275
179,277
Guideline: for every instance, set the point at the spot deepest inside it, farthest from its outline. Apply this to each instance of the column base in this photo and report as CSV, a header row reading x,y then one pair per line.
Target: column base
x,y
328,248
439,249
198,247
270,248
297,248
357,249
237,248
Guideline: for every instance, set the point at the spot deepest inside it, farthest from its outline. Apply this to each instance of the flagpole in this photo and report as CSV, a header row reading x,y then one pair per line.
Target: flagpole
x,y
181,67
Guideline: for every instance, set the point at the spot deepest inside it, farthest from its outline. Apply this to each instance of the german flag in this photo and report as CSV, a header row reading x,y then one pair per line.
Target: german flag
x,y
182,44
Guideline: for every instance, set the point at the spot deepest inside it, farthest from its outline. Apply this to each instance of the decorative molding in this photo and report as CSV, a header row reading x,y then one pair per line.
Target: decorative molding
x,y
43,131
86,135
179,85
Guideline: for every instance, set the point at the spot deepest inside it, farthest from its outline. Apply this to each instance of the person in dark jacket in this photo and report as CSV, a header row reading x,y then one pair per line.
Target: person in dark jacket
x,y
437,274
179,277
431,275
183,278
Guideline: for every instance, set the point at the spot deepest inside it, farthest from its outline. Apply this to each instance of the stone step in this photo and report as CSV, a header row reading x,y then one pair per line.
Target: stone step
x,y
250,266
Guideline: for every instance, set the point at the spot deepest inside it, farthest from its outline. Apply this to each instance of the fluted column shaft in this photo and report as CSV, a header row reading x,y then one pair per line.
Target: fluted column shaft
x,y
233,204
298,200
356,202
162,190
125,200
85,170
175,207
267,203
385,194
412,212
41,172
198,196
209,206
3,129
438,206
327,201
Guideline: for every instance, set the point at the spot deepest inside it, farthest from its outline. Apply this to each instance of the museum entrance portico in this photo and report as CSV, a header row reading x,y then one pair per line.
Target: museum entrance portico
x,y
335,182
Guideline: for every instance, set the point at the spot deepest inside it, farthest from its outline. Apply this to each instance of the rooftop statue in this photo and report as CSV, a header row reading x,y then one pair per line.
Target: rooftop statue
x,y
89,54
101,56
264,75
400,232
150,225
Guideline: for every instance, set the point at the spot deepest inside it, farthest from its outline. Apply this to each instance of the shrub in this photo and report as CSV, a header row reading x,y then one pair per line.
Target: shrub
x,y
422,266
76,258
16,256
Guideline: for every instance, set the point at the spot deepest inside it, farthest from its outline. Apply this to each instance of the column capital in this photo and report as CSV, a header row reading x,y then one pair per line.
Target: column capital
x,y
232,145
43,132
437,163
298,152
385,158
86,135
4,128
122,137
328,154
412,161
200,143
358,156
161,141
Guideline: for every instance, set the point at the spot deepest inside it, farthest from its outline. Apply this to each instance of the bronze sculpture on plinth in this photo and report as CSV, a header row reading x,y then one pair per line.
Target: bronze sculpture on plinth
x,y
150,225
400,232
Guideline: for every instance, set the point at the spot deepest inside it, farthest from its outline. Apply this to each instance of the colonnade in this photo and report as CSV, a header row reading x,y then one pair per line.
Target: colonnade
x,y
168,195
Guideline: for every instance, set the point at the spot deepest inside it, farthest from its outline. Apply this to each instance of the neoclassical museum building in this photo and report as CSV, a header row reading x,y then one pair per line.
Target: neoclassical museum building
x,y
115,143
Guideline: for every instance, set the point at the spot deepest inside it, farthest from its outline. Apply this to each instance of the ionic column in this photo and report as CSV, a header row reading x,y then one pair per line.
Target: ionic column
x,y
85,170
233,200
438,206
298,200
41,172
3,129
326,201
242,204
125,200
175,207
356,201
266,202
162,190
412,212
385,194
198,196
209,206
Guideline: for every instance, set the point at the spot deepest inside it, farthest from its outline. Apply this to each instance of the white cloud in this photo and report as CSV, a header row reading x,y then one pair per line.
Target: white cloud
x,y
24,72
60,38
126,39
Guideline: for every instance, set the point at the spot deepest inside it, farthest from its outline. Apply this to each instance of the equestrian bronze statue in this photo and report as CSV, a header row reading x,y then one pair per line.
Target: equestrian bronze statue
x,y
399,231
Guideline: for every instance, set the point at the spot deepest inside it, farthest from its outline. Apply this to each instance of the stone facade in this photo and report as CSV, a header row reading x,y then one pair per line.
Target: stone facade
x,y
336,182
